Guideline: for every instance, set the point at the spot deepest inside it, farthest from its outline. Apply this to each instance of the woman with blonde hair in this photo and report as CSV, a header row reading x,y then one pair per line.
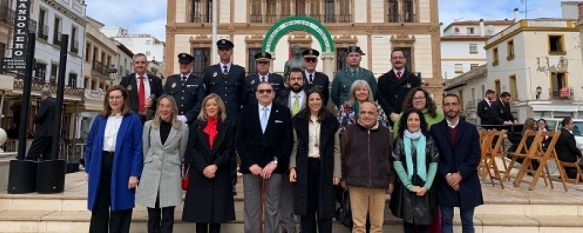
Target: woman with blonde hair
x,y
209,200
360,93
165,139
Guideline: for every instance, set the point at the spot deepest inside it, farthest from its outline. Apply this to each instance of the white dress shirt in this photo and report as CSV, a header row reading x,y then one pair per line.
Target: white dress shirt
x,y
402,70
111,129
308,76
146,86
314,139
223,67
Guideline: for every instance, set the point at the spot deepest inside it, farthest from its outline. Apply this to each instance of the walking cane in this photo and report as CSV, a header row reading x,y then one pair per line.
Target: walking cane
x,y
261,200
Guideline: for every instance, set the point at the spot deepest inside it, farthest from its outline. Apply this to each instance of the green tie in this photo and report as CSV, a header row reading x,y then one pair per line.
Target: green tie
x,y
296,105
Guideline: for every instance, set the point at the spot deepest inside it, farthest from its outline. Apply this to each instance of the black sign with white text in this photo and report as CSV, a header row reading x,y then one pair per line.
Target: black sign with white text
x,y
21,21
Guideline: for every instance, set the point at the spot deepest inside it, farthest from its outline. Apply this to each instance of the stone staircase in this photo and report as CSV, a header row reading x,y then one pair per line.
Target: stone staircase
x,y
512,209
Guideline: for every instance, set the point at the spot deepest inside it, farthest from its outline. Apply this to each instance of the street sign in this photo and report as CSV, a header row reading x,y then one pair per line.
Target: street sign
x,y
13,64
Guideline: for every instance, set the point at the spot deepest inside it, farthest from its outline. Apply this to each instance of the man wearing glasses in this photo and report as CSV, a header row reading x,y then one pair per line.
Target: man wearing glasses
x,y
314,78
264,143
262,62
395,84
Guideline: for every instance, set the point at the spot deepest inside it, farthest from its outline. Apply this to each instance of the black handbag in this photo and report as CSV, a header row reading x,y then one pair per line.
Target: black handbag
x,y
344,212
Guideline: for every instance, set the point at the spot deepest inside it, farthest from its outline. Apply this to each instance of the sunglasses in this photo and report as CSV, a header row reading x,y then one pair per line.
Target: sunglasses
x,y
311,60
268,91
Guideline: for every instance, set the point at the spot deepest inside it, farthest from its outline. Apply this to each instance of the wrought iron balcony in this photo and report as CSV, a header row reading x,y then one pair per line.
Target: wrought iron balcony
x,y
75,47
100,68
200,18
57,39
43,32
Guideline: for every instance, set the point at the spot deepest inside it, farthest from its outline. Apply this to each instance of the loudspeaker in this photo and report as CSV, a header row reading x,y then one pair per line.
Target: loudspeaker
x,y
50,176
22,176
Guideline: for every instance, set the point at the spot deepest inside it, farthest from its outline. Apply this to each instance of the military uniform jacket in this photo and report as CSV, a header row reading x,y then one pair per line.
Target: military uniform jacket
x,y
227,86
321,80
253,80
188,95
343,80
392,91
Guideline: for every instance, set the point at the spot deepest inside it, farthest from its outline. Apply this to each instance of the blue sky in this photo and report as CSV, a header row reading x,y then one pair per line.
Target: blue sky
x,y
149,16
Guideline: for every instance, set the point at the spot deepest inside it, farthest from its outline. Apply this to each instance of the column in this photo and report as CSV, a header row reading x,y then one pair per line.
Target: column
x,y
328,63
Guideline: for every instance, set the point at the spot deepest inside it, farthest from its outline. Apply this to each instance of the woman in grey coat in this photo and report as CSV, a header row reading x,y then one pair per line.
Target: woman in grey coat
x,y
165,139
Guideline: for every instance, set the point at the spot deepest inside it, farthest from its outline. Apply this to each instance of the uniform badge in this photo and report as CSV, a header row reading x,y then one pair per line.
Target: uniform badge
x,y
253,82
173,85
215,74
129,88
408,85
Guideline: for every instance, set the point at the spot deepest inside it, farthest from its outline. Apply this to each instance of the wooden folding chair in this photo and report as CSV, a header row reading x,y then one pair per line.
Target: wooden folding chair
x,y
521,150
579,177
490,150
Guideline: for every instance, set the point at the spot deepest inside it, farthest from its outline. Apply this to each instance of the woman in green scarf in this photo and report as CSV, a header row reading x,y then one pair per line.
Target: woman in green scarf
x,y
420,98
415,162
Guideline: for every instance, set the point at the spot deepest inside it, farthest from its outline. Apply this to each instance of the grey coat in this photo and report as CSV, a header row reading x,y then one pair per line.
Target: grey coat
x,y
161,171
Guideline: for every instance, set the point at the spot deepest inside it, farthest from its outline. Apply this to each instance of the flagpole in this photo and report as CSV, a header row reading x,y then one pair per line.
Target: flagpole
x,y
214,33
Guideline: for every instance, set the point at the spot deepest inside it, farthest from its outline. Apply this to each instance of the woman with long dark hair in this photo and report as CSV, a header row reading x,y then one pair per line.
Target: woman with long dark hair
x,y
415,161
313,166
209,199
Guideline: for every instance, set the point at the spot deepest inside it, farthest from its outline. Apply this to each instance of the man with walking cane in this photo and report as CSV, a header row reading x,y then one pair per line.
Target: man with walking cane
x,y
264,143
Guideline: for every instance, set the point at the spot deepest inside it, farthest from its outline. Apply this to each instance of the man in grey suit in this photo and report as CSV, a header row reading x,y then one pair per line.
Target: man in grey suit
x,y
343,79
264,144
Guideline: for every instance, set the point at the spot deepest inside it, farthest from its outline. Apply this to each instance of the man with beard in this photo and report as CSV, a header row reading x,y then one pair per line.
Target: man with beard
x,y
313,77
294,98
501,109
395,84
458,184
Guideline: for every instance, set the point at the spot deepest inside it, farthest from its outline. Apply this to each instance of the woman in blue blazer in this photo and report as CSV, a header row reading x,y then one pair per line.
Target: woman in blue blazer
x,y
113,156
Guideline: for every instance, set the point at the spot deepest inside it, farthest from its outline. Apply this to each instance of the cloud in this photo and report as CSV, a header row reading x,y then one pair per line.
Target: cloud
x,y
146,16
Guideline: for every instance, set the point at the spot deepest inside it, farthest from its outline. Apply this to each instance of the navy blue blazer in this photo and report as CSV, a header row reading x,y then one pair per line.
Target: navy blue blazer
x,y
463,156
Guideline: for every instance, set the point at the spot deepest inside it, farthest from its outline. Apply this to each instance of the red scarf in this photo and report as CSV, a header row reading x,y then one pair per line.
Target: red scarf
x,y
211,130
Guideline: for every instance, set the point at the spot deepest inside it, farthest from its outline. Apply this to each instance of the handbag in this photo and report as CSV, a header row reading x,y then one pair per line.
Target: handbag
x,y
344,212
186,178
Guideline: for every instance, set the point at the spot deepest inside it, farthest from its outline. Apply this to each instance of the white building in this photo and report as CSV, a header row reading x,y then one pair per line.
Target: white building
x,y
462,44
538,62
124,62
570,9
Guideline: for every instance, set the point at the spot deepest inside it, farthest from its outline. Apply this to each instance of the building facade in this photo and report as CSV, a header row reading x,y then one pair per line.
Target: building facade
x,y
462,45
537,61
376,26
6,26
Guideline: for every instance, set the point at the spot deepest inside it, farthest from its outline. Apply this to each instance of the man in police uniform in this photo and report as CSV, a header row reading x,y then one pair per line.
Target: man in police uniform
x,y
227,80
187,89
313,77
262,62
343,79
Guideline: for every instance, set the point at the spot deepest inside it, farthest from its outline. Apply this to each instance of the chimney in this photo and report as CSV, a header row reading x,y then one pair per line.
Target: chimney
x,y
580,6
482,29
516,15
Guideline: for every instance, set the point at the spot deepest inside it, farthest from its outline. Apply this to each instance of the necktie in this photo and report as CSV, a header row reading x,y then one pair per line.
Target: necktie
x,y
141,95
311,78
184,79
296,105
262,79
264,119
399,75
225,69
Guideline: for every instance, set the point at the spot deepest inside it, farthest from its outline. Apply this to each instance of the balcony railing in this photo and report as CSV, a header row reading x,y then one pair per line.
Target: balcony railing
x,y
199,18
57,39
272,18
43,32
75,47
397,18
100,68
256,18
6,14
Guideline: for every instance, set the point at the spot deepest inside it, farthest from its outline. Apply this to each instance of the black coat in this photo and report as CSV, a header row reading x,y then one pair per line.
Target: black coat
x,y
487,113
131,85
256,147
209,200
326,194
321,80
45,118
502,112
229,87
392,91
566,147
283,99
188,95
253,80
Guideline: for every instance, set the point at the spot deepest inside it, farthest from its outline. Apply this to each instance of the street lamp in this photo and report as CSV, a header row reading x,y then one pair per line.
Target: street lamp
x,y
539,90
111,70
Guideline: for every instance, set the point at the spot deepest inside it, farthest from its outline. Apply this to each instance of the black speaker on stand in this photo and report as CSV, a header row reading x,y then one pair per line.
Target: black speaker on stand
x,y
50,176
22,176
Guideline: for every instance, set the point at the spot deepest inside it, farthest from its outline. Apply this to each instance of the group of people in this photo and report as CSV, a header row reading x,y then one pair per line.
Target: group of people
x,y
294,152
495,111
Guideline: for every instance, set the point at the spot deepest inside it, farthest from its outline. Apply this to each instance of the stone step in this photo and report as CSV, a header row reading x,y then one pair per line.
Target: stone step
x,y
78,221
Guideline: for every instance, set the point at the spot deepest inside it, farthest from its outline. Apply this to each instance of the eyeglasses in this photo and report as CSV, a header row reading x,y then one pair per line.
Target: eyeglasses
x,y
310,60
398,58
268,91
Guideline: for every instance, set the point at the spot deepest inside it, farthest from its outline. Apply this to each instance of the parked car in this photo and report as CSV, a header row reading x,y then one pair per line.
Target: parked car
x,y
555,124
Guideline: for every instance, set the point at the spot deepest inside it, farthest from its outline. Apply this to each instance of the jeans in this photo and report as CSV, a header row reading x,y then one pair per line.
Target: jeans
x,y
466,215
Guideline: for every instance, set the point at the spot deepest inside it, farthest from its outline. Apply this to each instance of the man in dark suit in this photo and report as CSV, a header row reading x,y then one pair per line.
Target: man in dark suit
x,y
395,84
457,181
45,120
143,88
262,61
503,114
486,110
187,89
264,142
566,146
226,80
313,77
